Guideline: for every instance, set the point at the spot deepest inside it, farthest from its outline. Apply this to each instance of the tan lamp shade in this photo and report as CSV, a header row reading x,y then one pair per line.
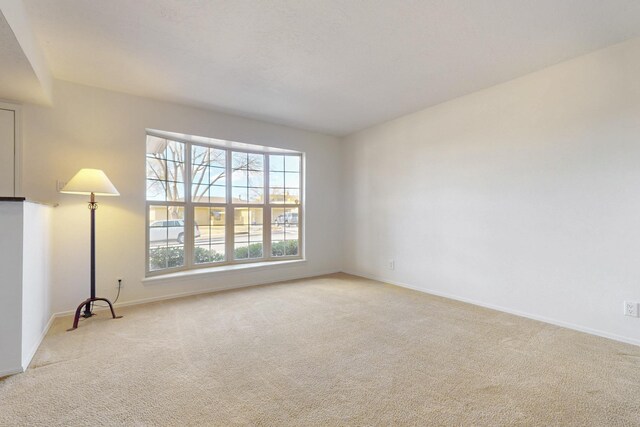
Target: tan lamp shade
x,y
88,181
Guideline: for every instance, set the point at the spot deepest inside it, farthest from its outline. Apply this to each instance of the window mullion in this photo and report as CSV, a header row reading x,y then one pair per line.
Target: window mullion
x,y
147,236
301,222
189,241
229,212
300,228
266,215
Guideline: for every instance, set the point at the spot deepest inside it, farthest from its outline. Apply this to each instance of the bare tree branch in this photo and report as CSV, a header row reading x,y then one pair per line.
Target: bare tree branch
x,y
200,181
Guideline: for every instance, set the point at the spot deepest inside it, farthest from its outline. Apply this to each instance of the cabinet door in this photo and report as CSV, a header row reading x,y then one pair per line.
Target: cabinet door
x,y
7,152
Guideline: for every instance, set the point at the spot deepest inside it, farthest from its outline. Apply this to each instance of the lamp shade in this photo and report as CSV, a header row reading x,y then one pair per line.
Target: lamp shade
x,y
88,181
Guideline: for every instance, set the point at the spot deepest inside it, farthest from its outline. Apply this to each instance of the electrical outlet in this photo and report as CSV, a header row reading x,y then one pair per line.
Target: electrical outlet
x,y
119,282
631,309
391,264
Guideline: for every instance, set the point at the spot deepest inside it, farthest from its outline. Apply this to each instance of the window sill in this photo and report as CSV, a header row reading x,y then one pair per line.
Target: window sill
x,y
221,270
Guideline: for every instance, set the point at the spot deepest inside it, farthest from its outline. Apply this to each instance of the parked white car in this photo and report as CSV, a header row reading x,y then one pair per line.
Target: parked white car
x,y
290,218
172,229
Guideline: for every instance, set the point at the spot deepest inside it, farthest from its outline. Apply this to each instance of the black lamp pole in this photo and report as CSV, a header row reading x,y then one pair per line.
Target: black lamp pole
x,y
87,304
93,205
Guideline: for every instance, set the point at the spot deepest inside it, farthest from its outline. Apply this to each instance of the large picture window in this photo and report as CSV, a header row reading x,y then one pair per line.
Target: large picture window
x,y
210,205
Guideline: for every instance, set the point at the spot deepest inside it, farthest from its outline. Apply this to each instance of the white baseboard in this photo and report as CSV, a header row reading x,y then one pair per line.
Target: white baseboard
x,y
27,362
11,372
204,291
544,319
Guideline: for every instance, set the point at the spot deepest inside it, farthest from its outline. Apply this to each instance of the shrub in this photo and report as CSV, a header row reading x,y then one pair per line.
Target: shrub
x,y
254,250
166,257
173,256
287,248
204,255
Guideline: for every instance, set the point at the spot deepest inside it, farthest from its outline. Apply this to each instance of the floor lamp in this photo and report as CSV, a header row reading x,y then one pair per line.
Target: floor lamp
x,y
92,182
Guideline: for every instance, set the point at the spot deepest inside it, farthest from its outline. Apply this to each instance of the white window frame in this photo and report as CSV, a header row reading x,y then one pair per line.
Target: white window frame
x,y
229,206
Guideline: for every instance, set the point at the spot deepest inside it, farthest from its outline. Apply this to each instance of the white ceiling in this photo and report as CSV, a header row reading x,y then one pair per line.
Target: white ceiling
x,y
334,66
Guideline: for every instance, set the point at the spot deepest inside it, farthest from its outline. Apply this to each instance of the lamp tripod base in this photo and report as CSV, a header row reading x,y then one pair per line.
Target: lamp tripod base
x,y
87,311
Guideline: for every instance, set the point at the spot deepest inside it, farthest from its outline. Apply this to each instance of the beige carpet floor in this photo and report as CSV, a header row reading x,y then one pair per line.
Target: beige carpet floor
x,y
333,350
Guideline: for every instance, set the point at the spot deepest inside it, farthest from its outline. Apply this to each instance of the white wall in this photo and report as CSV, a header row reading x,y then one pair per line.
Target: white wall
x,y
7,151
524,196
89,127
36,278
11,221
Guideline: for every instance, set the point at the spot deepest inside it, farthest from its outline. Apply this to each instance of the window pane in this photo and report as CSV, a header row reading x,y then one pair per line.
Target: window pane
x,y
291,248
255,233
175,151
241,250
284,232
199,176
277,248
209,234
156,168
218,158
156,147
276,195
217,176
248,233
204,193
207,169
239,195
255,162
200,181
239,160
166,168
255,216
255,250
218,253
199,194
166,237
202,225
277,215
175,171
241,224
248,251
157,258
256,195
175,191
217,194
156,191
282,248
292,163
284,218
202,254
240,178
276,163
199,156
292,180
256,179
292,196
276,179
284,196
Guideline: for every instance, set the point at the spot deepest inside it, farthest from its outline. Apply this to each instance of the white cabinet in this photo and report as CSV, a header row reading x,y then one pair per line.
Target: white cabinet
x,y
7,152
25,283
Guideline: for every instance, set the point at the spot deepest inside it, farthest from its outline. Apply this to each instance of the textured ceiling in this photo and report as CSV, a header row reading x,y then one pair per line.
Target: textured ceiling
x,y
332,66
18,81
